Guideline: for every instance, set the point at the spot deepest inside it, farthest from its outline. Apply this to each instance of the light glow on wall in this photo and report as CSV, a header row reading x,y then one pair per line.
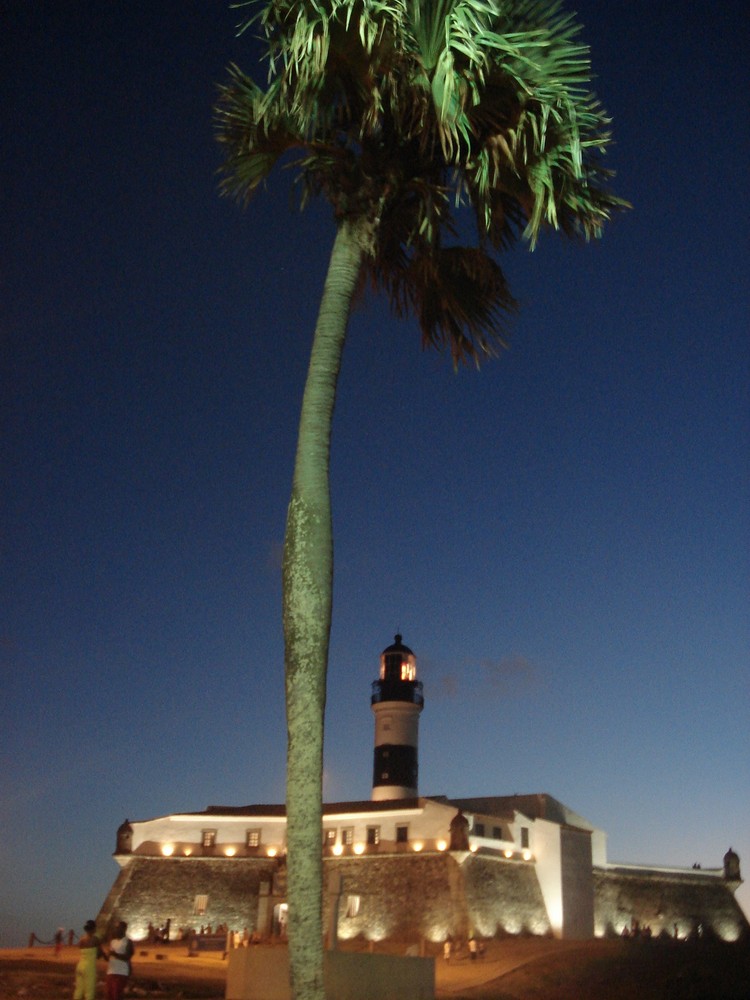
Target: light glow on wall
x,y
437,933
508,853
442,845
187,851
337,849
359,848
376,931
230,851
485,925
272,852
167,850
527,855
417,845
538,925
728,930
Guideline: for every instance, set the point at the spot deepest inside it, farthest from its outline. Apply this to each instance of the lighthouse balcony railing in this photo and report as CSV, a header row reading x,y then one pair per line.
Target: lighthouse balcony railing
x,y
410,691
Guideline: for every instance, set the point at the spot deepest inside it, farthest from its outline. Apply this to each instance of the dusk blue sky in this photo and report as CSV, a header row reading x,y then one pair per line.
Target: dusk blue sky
x,y
562,537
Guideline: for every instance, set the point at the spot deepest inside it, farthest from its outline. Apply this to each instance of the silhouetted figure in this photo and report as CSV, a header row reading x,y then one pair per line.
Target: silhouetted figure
x,y
91,950
119,967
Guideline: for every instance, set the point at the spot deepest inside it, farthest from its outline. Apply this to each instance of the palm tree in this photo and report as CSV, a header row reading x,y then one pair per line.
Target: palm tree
x,y
406,115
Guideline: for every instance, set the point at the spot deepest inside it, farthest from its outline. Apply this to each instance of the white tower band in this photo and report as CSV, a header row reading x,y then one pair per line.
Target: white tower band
x,y
396,701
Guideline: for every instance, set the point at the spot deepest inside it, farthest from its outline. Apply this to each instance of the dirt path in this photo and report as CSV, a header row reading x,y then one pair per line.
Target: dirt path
x,y
511,969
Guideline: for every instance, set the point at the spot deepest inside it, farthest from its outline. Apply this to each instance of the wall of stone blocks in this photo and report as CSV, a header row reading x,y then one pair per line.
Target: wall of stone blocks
x,y
660,901
153,890
503,897
413,897
400,897
434,896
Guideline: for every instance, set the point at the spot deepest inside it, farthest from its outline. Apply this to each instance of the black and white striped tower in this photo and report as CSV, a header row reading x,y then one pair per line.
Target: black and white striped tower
x,y
396,701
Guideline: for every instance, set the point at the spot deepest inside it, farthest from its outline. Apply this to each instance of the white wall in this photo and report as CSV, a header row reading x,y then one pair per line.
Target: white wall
x,y
545,846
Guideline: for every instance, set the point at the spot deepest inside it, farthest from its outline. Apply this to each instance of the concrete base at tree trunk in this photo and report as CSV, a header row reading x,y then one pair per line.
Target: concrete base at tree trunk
x,y
263,974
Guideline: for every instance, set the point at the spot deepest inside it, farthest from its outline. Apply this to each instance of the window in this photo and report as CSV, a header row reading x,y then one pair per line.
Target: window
x,y
329,838
373,835
497,833
352,905
253,838
208,838
200,905
524,836
347,836
408,671
402,834
479,829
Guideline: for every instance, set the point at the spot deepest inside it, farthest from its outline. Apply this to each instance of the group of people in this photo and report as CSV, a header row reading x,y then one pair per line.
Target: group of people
x,y
452,950
118,959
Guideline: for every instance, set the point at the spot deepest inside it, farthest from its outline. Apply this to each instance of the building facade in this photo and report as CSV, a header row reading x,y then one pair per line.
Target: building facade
x,y
403,867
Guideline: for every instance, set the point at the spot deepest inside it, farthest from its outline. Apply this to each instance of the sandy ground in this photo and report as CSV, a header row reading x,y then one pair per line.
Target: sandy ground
x,y
512,969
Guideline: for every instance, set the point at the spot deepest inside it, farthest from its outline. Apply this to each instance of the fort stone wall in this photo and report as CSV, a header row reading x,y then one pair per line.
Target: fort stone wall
x,y
153,890
690,902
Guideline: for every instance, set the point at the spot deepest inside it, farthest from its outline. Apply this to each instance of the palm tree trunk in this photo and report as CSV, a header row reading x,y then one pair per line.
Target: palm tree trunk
x,y
307,599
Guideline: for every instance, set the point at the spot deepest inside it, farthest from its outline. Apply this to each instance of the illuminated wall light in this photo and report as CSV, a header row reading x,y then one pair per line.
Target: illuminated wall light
x,y
167,850
338,850
230,851
272,852
187,851
442,845
473,848
527,855
508,853
417,845
359,848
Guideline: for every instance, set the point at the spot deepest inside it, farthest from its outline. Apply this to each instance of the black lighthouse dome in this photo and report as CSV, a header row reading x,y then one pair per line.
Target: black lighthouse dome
x,y
398,675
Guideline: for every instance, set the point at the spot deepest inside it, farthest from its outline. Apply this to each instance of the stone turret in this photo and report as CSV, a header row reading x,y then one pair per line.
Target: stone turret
x,y
124,838
732,866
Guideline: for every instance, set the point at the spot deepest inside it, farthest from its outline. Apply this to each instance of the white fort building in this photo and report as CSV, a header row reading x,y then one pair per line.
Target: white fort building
x,y
407,868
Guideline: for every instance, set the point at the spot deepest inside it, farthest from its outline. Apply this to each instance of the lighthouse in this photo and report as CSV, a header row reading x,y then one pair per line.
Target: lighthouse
x,y
396,702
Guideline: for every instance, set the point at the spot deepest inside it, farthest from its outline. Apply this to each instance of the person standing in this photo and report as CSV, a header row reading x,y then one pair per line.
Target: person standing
x,y
91,949
119,966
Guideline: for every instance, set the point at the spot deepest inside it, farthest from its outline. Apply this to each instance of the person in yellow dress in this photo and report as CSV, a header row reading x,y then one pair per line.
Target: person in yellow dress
x,y
91,949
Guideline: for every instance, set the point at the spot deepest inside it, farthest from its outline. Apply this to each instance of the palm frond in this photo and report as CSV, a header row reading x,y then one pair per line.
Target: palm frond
x,y
406,112
460,298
